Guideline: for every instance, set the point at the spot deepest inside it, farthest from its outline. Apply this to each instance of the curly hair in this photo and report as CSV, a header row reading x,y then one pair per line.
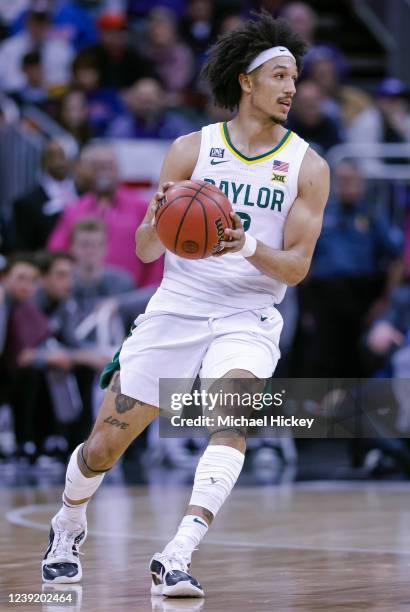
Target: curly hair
x,y
233,52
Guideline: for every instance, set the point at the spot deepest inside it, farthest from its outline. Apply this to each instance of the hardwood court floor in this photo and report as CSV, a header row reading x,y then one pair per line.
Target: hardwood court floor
x,y
322,547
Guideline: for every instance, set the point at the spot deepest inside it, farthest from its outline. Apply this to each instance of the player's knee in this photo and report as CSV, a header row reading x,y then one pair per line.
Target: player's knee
x,y
100,453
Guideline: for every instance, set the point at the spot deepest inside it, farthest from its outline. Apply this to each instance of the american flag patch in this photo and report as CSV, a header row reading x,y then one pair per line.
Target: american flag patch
x,y
279,166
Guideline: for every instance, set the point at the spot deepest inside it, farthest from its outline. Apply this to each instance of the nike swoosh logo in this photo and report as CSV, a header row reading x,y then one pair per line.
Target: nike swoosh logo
x,y
214,162
196,520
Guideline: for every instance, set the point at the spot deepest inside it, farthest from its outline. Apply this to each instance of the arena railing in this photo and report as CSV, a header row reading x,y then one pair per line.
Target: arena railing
x,y
106,327
388,183
371,156
20,152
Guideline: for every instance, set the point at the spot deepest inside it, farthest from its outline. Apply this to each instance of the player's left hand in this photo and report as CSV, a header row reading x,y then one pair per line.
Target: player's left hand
x,y
235,237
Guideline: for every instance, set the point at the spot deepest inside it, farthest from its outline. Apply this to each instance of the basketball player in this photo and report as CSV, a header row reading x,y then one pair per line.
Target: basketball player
x,y
214,317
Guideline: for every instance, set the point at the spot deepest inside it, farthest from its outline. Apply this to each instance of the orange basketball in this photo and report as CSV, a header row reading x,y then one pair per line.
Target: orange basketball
x,y
191,219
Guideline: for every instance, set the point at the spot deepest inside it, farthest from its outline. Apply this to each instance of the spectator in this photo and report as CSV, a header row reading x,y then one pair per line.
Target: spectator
x,y
36,213
98,286
310,122
197,26
54,298
22,328
389,342
118,63
388,120
70,22
148,116
104,104
347,218
230,23
302,19
34,91
94,281
341,102
349,274
120,208
392,328
74,116
9,112
83,173
10,11
56,55
66,365
19,283
172,59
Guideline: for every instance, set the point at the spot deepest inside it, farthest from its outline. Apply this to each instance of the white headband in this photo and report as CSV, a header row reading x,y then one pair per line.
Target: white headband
x,y
267,55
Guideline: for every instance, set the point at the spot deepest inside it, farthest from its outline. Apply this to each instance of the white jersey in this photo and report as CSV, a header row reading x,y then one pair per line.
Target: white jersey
x,y
261,190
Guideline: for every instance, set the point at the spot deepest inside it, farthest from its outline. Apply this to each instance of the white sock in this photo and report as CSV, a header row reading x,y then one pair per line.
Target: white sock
x,y
77,486
73,513
190,532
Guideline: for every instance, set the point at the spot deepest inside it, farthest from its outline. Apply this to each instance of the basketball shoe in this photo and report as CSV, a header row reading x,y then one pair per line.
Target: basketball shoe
x,y
61,562
171,576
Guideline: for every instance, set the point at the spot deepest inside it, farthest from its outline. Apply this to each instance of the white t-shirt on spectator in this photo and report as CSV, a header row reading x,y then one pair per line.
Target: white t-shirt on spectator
x,y
57,56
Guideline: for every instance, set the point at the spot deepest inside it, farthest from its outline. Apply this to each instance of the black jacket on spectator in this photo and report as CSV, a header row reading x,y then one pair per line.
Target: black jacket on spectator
x,y
32,225
122,72
63,317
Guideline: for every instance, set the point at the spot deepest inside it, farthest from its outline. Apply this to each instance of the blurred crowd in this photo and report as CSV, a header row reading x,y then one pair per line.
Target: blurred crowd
x,y
71,284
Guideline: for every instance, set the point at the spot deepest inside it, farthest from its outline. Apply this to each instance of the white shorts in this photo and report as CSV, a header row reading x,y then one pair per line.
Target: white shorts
x,y
171,346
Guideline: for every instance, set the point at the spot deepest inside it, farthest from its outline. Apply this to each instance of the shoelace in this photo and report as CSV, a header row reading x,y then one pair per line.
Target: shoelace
x,y
64,545
178,559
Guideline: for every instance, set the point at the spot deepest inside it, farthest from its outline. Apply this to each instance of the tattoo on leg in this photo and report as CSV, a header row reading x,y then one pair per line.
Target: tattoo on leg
x,y
208,515
116,384
116,423
123,403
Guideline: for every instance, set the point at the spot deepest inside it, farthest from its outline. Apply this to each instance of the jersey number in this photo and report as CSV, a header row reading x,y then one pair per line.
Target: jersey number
x,y
246,220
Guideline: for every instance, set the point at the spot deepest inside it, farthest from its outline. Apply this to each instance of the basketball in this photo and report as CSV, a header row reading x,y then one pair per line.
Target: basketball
x,y
191,219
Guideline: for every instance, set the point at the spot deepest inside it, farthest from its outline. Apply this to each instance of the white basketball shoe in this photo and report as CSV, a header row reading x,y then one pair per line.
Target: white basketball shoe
x,y
61,562
171,576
